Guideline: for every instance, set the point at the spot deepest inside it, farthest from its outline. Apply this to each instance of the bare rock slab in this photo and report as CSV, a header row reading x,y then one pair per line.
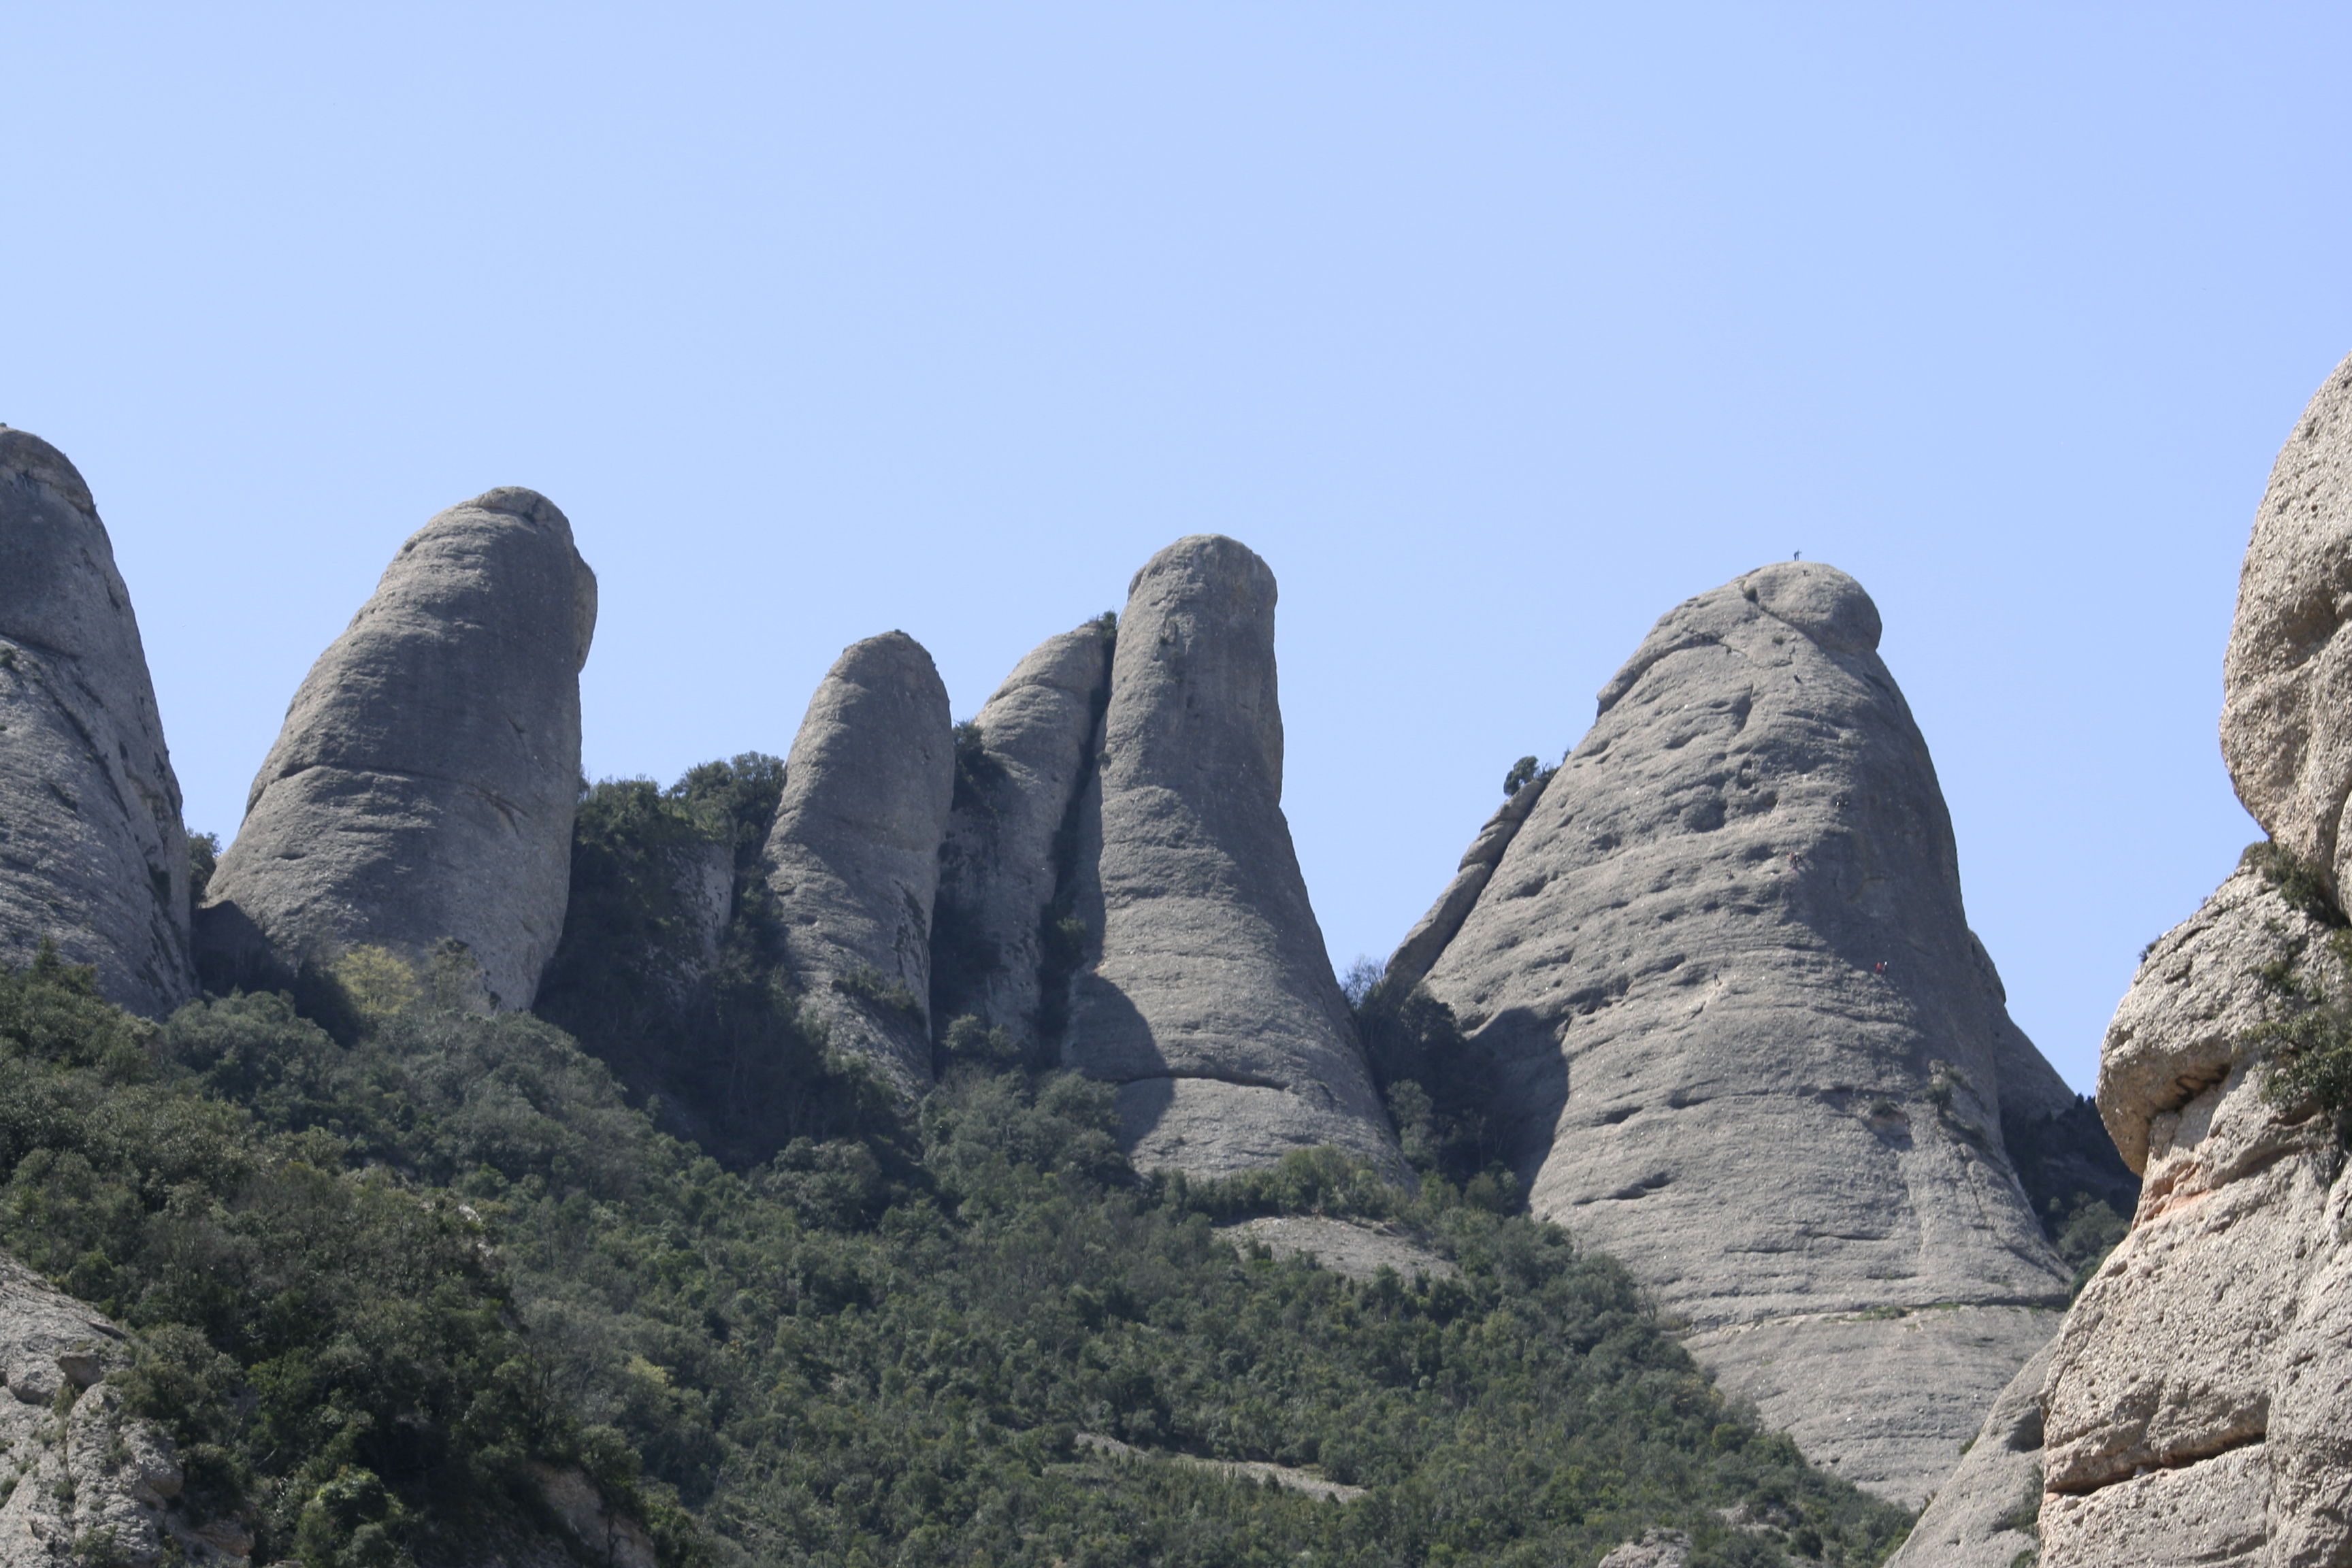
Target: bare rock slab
x,y
1986,1514
853,858
1209,1000
424,786
1899,1385
92,853
1005,860
1750,1046
2287,677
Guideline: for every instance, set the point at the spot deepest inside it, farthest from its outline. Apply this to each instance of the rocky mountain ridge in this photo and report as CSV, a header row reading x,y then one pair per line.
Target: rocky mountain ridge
x,y
1705,992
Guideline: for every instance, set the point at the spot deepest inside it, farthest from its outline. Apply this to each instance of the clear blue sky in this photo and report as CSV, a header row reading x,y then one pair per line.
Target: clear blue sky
x,y
1497,330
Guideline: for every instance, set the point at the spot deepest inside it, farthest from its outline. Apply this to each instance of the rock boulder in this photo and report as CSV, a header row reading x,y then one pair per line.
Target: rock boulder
x,y
424,785
1209,998
2287,677
853,858
92,853
1747,1043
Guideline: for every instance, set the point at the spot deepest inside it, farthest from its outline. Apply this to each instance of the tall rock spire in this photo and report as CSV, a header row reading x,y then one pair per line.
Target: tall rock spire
x,y
1209,998
424,786
92,853
1751,1047
1010,847
854,857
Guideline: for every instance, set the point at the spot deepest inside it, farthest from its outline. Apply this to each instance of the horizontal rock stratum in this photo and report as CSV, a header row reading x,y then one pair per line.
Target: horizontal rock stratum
x,y
424,786
92,853
1751,1047
1209,998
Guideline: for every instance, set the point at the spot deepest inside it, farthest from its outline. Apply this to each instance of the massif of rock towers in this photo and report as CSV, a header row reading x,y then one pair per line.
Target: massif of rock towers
x,y
1103,859
1717,961
2196,1407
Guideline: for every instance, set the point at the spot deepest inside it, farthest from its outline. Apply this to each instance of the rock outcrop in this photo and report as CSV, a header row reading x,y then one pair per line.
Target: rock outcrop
x,y
2287,677
1986,1515
91,1482
1011,837
92,853
853,858
424,785
1747,1042
2199,1406
1209,998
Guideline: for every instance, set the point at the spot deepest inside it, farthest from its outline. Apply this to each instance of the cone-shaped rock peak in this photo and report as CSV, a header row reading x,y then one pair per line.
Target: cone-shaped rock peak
x,y
1208,998
854,857
424,786
92,853
1723,970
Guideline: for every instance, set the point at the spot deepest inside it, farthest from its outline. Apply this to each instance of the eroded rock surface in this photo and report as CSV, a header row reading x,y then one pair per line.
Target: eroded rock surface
x,y
1986,1514
424,785
92,853
91,1481
2287,677
1748,1042
1006,857
1209,998
2199,1397
853,858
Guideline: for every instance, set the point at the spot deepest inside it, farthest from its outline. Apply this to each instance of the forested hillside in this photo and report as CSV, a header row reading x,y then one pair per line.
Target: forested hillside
x,y
386,1261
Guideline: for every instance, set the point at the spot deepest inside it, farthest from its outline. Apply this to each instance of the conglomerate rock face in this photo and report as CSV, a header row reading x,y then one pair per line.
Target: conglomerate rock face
x,y
2199,1406
1750,1046
2287,677
854,857
1011,837
424,786
1209,998
92,853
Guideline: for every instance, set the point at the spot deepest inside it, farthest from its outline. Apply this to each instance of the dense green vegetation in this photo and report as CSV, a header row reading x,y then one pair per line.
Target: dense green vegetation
x,y
2308,1040
374,1280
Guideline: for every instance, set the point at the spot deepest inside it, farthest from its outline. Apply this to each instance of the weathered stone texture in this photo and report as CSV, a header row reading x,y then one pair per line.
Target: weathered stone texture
x,y
854,857
1749,1043
2198,1401
1000,872
92,853
424,785
1985,1514
89,1466
1211,1000
2287,679
1902,1384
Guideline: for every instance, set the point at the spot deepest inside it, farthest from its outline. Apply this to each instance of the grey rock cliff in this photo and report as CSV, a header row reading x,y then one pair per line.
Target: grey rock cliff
x,y
1015,793
1986,1514
93,853
854,857
1209,1000
424,785
1749,1043
2287,677
2200,1398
